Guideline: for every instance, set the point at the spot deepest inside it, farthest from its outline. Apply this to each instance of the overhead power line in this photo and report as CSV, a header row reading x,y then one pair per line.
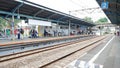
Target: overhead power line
x,y
85,9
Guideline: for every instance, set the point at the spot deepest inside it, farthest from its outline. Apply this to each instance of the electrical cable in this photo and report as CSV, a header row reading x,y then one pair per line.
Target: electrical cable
x,y
84,9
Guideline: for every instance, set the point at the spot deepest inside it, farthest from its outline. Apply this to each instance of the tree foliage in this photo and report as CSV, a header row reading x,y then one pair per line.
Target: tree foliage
x,y
102,21
88,19
7,22
2,23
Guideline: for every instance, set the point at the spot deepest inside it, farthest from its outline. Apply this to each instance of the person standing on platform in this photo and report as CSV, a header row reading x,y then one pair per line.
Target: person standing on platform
x,y
118,33
34,33
8,33
15,32
22,33
45,33
18,33
55,33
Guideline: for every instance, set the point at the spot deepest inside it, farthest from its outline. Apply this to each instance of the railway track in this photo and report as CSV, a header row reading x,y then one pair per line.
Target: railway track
x,y
36,51
37,43
30,52
56,62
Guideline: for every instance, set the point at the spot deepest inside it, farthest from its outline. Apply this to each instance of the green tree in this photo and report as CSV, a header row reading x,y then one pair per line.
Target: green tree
x,y
88,19
102,21
2,23
7,22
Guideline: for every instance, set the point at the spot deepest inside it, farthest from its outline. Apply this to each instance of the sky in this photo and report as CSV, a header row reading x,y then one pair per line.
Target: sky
x,y
78,8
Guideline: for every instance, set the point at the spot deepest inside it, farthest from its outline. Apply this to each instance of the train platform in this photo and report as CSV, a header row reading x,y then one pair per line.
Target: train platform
x,y
4,42
106,55
32,40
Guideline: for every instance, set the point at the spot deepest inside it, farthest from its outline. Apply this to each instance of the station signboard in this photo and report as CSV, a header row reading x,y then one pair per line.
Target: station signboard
x,y
39,22
104,5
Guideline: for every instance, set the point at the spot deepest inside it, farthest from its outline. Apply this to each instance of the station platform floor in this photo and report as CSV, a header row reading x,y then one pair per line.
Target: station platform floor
x,y
106,55
6,42
18,41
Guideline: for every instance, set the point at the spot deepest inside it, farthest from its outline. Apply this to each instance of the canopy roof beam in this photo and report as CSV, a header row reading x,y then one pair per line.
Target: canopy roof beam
x,y
40,11
16,8
51,16
61,18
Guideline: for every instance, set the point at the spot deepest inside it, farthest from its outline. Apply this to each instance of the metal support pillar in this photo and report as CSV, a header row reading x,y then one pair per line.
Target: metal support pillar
x,y
100,29
119,28
75,26
69,29
38,13
16,8
76,29
12,25
57,27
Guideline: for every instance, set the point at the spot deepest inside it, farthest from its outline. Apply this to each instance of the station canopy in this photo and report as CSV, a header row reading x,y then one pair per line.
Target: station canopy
x,y
28,10
113,10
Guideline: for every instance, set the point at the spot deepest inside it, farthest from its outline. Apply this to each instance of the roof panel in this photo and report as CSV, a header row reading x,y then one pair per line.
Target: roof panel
x,y
56,17
29,9
7,6
45,14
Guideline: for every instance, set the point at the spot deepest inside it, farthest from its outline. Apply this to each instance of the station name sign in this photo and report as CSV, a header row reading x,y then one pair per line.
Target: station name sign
x,y
39,22
104,5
